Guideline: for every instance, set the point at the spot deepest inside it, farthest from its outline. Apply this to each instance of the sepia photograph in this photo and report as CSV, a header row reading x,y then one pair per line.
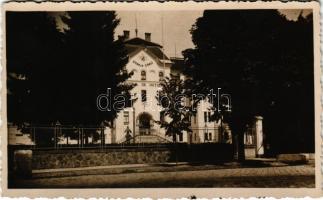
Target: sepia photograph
x,y
204,98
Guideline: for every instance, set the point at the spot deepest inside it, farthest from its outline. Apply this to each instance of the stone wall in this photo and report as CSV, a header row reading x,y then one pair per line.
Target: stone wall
x,y
71,158
52,159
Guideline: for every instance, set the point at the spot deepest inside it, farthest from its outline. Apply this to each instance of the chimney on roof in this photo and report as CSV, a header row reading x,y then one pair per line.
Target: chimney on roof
x,y
126,34
148,37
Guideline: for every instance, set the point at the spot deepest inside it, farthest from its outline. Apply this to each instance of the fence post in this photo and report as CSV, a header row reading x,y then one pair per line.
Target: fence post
x,y
57,127
82,137
55,132
78,139
34,135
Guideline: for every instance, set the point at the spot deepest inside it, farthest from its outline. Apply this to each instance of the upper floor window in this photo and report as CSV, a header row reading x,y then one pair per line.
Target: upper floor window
x,y
162,117
143,95
209,116
205,116
143,75
161,76
126,117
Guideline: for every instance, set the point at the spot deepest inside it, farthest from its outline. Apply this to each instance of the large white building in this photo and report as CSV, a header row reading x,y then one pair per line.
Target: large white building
x,y
136,124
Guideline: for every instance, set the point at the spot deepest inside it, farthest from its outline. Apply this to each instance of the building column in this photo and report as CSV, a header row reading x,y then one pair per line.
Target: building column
x,y
259,136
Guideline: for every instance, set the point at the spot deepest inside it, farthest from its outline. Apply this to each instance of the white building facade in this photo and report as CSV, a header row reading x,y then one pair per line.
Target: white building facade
x,y
136,124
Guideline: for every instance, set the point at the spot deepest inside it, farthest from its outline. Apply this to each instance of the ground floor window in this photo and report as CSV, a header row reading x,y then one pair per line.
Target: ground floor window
x,y
126,117
206,136
181,137
143,95
144,123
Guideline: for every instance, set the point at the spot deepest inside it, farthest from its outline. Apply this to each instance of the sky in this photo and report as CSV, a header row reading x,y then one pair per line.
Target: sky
x,y
176,27
176,36
175,31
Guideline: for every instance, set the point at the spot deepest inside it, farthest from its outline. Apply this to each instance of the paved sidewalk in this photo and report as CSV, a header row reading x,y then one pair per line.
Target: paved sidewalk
x,y
284,176
251,163
37,171
119,169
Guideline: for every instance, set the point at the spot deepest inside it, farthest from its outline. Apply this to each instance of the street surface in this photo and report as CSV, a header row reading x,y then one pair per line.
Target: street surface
x,y
280,176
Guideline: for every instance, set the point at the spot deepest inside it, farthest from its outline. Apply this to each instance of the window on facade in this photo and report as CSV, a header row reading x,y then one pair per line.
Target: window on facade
x,y
205,137
143,95
194,119
162,118
210,136
195,137
209,116
143,75
126,117
181,137
205,116
161,76
226,136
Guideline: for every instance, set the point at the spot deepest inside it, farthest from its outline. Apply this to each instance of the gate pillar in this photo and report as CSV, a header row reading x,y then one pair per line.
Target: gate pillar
x,y
259,136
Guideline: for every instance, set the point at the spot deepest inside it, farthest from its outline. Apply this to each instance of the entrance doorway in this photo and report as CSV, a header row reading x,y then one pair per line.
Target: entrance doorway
x,y
145,121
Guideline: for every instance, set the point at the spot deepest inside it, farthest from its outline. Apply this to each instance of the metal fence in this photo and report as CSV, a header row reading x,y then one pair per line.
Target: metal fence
x,y
59,137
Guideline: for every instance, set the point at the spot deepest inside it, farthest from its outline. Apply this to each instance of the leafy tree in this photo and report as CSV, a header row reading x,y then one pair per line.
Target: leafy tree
x,y
94,63
33,47
257,57
175,113
54,76
290,116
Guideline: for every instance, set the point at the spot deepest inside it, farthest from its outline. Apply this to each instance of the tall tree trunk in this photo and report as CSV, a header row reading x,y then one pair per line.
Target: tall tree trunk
x,y
238,142
78,137
86,139
235,146
174,138
241,149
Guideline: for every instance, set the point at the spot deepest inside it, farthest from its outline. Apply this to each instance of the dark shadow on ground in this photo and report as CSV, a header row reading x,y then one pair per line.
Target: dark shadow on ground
x,y
224,182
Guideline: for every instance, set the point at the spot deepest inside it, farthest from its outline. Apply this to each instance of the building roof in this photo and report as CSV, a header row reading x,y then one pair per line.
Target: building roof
x,y
133,46
155,50
141,42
